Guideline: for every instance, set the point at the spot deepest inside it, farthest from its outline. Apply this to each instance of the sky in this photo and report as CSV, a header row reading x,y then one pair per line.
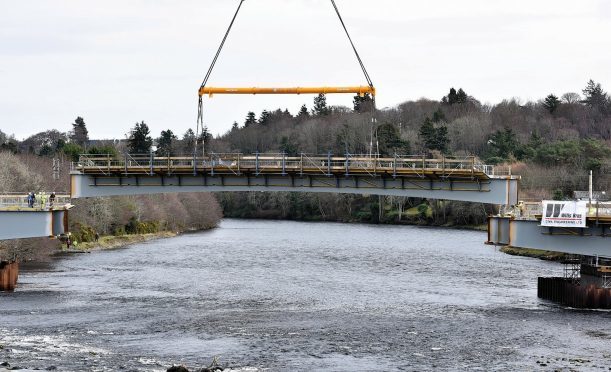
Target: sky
x,y
116,63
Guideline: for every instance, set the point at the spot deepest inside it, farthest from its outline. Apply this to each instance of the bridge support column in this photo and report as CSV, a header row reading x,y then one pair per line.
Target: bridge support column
x,y
9,273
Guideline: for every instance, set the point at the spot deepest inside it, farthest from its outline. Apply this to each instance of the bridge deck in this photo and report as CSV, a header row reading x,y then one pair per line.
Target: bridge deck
x,y
237,164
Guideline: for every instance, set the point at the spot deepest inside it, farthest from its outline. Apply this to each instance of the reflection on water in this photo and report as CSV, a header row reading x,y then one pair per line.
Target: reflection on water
x,y
275,295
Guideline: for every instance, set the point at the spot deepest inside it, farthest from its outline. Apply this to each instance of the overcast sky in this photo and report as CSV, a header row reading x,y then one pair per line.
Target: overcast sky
x,y
118,62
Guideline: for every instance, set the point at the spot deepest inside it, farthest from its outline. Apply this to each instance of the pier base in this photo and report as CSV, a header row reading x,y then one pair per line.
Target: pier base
x,y
567,292
9,272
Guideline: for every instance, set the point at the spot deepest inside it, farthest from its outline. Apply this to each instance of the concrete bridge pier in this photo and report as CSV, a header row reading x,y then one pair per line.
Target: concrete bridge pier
x,y
9,273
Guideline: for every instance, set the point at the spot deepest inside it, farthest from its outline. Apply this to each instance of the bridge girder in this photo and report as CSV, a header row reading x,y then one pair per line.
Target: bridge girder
x,y
490,191
21,224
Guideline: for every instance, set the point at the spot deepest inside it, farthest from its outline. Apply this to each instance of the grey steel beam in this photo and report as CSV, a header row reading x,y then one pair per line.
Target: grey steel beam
x,y
32,224
492,191
592,241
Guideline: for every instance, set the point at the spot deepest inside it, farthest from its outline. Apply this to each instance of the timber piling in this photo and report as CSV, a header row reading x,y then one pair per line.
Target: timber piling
x,y
9,273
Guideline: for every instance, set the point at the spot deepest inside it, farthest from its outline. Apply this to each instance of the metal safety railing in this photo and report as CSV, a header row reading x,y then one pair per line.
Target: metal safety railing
x,y
327,165
20,201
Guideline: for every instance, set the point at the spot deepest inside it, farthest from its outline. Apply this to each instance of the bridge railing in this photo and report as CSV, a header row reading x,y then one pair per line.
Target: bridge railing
x,y
534,210
19,201
237,163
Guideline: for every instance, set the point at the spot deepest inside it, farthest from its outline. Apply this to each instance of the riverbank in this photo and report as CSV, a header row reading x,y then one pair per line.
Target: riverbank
x,y
534,253
112,242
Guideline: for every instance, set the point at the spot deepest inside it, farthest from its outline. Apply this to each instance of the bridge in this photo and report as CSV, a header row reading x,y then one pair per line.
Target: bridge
x,y
453,178
18,220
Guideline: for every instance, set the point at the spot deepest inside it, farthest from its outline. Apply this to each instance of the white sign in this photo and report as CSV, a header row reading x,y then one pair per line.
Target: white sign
x,y
564,213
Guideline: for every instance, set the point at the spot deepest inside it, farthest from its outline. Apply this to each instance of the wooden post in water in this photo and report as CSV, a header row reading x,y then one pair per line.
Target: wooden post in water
x,y
9,272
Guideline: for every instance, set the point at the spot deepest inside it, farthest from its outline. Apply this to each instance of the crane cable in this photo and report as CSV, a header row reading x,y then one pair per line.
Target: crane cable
x,y
200,120
200,111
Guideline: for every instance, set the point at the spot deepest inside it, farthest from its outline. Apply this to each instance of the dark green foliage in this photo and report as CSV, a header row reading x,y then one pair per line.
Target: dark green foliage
x,y
79,134
140,141
551,103
596,97
303,114
264,118
455,97
72,150
289,146
363,104
251,119
390,142
503,145
142,227
439,116
103,150
558,195
320,106
461,96
165,143
434,138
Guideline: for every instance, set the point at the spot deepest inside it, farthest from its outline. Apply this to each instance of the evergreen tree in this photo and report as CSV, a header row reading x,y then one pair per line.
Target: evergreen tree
x,y
363,104
164,143
503,144
390,142
452,97
251,119
79,134
551,103
264,119
439,116
188,141
320,106
303,113
235,126
461,96
434,138
595,96
140,141
441,139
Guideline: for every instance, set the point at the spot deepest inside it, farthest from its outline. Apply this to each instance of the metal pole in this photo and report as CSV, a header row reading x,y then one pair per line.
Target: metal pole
x,y
590,191
125,163
301,165
394,167
329,163
212,164
347,165
150,162
283,164
257,163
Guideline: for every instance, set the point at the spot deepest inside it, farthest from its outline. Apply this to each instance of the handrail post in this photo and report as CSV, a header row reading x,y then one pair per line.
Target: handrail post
x,y
347,162
328,163
108,159
125,165
301,165
394,167
212,164
283,163
239,163
151,163
194,164
423,163
443,165
472,166
257,163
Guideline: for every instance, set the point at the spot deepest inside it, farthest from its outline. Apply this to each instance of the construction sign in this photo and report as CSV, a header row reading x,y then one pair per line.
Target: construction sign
x,y
564,213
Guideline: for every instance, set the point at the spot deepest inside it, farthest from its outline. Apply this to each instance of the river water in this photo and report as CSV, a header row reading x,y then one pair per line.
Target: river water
x,y
291,296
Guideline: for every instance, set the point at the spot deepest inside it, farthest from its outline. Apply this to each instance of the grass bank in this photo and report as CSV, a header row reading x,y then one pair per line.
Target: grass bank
x,y
535,253
111,242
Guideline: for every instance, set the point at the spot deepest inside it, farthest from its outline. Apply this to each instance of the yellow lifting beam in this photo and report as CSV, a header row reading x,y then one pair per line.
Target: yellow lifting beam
x,y
360,90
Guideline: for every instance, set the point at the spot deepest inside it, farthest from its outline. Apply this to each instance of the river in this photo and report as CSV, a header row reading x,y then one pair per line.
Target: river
x,y
292,296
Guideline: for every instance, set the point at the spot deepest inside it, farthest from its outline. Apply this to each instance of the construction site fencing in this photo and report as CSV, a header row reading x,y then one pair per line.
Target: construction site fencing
x,y
19,201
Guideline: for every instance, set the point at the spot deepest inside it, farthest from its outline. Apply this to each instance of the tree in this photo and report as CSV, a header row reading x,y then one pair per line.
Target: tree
x,y
439,116
235,126
595,96
264,119
390,142
571,98
551,103
363,103
164,143
140,141
79,134
461,96
503,144
188,141
434,138
289,146
451,98
251,119
303,113
320,106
